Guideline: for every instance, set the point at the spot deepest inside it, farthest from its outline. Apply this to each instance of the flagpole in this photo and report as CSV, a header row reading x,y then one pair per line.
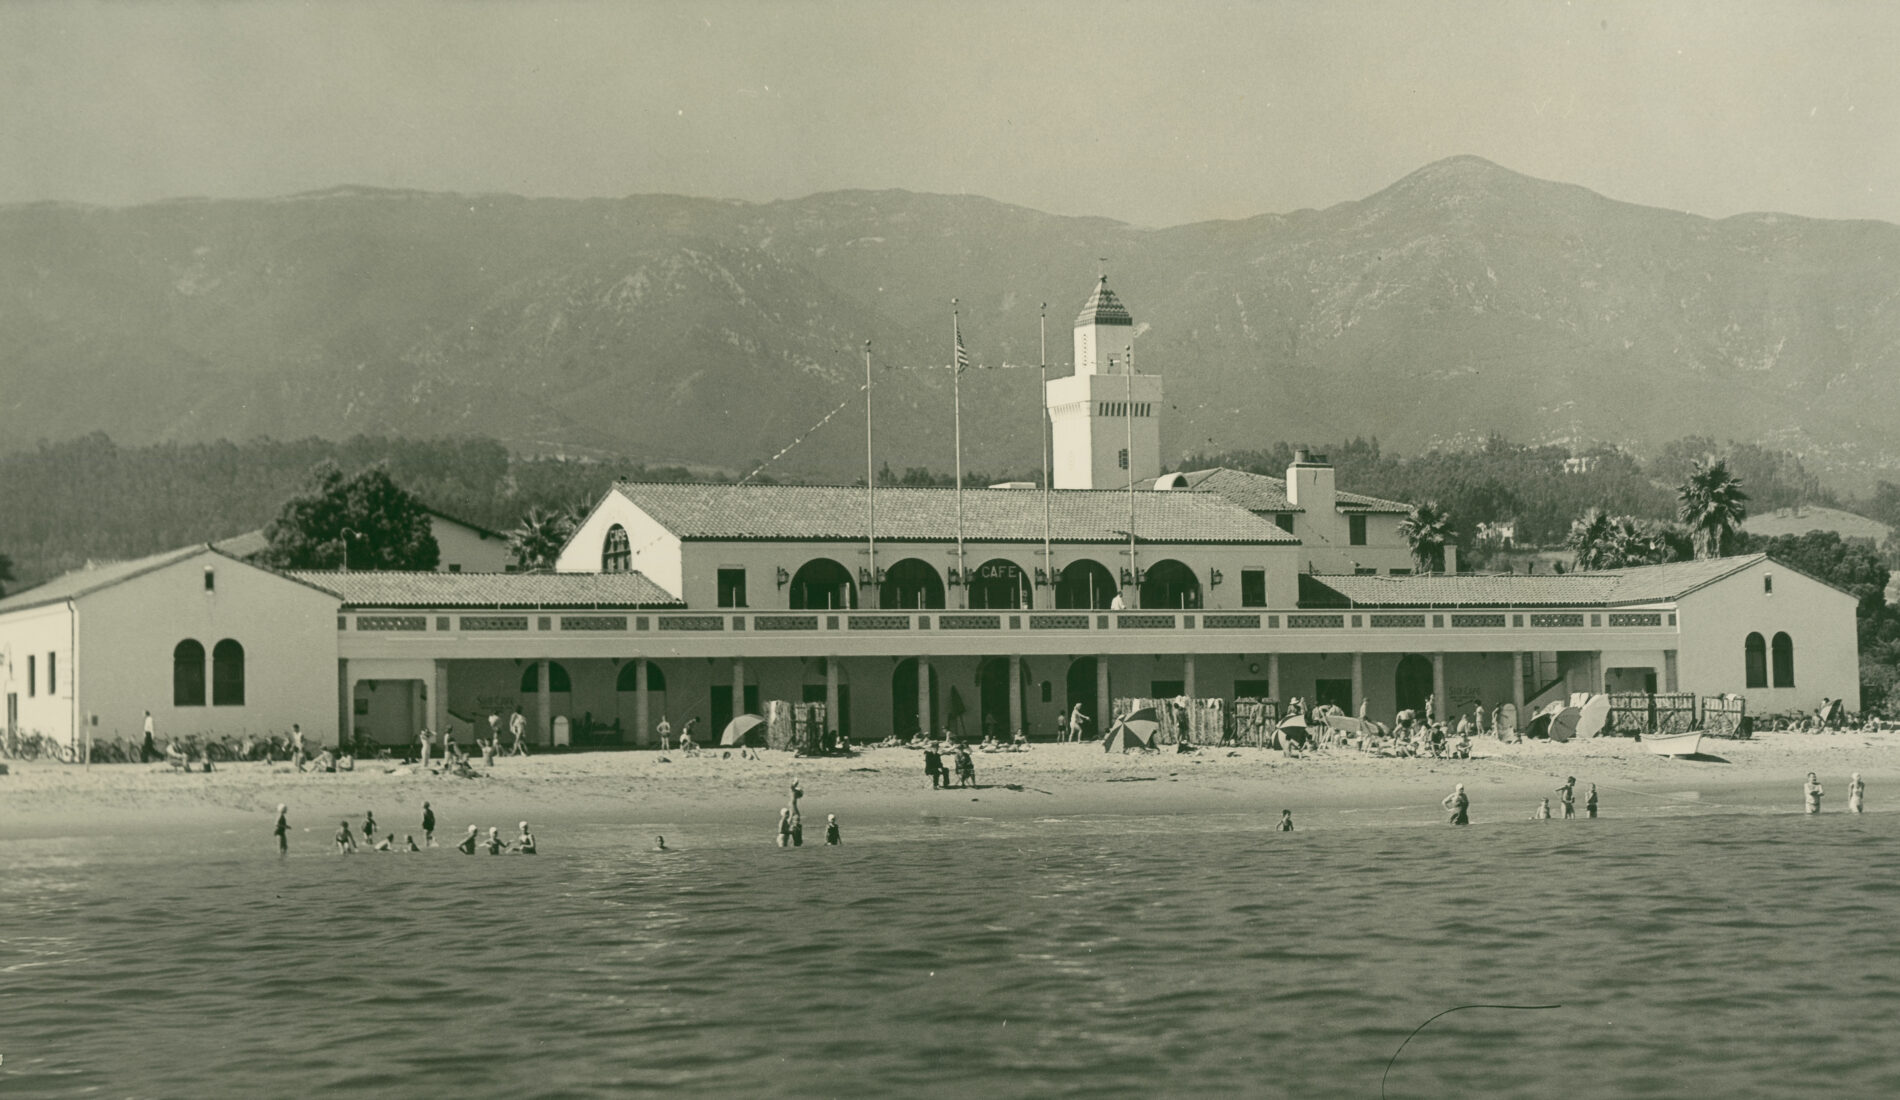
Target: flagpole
x,y
956,399
1048,556
1128,408
870,489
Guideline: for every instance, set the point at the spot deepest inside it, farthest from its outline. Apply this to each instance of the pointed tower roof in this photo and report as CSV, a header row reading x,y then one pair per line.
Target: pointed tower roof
x,y
1103,308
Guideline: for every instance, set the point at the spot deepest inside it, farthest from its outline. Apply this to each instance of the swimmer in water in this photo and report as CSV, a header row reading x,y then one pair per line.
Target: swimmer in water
x,y
467,846
659,844
410,841
1458,804
382,845
1567,794
784,828
1813,792
1542,813
283,829
1856,791
494,843
831,829
345,842
524,844
428,825
1286,821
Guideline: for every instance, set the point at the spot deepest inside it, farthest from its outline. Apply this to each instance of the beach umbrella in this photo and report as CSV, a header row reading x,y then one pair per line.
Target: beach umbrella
x,y
1145,723
1294,729
738,728
1564,726
1125,738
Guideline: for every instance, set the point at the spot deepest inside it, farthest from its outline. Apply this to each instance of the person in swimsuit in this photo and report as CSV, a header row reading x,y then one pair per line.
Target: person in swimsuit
x,y
283,829
345,842
1856,791
784,828
524,844
831,830
1286,821
467,846
410,841
1812,791
1458,804
659,844
494,843
1542,812
369,826
1567,794
428,825
798,830
1590,803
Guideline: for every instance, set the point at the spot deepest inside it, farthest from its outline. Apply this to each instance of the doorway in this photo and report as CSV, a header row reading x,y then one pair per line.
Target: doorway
x,y
1412,683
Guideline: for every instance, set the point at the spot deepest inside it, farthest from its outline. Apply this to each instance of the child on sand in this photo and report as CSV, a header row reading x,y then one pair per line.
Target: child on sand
x,y
369,826
409,841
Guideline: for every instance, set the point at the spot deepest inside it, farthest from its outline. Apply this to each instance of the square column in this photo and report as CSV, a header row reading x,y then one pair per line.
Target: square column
x,y
1438,687
1104,706
544,700
923,697
1517,683
1273,677
439,698
1187,677
1358,683
832,720
345,702
1015,693
641,733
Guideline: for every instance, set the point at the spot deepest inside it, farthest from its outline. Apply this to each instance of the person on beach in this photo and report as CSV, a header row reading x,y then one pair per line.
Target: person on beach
x,y
382,845
1459,806
1567,795
524,844
426,740
428,825
148,752
933,766
784,828
1477,719
1542,813
494,727
1077,720
369,826
296,741
409,842
831,830
1813,792
665,730
518,726
467,847
798,830
1286,821
966,767
345,842
283,829
1856,791
1590,803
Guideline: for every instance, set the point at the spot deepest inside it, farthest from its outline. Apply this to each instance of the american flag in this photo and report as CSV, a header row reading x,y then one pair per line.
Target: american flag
x,y
963,358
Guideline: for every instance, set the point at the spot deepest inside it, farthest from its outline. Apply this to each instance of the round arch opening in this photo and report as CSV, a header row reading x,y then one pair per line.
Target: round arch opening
x,y
1085,585
999,584
1170,584
910,585
823,584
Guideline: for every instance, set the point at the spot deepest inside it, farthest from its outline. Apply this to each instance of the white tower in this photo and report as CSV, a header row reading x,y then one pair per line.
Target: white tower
x,y
1092,411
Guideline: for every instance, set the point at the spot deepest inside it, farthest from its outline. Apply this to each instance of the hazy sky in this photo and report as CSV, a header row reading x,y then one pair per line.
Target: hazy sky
x,y
1155,113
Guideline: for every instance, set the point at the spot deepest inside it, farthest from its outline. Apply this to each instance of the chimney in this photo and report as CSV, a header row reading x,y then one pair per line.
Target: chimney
x,y
1309,485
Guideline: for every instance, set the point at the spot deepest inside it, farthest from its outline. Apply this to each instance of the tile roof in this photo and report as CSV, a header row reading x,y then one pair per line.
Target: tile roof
x,y
77,583
1103,308
1601,588
1265,493
589,590
792,513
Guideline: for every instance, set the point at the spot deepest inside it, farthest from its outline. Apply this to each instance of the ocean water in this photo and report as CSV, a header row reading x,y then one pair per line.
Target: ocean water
x,y
1718,955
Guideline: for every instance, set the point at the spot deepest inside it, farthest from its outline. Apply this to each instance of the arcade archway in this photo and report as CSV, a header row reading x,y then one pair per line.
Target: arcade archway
x,y
1085,585
1170,584
910,585
823,584
999,584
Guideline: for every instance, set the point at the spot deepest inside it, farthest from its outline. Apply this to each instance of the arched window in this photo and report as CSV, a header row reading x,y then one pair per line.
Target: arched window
x,y
188,674
628,680
557,679
616,554
1755,653
1086,584
909,584
1167,584
999,583
823,584
227,674
1783,648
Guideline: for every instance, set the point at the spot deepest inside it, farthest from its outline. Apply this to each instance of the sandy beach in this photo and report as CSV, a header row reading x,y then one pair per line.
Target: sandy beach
x,y
1326,789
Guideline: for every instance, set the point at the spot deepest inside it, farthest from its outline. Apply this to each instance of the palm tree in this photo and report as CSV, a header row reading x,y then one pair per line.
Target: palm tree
x,y
1591,539
537,540
1428,529
1712,503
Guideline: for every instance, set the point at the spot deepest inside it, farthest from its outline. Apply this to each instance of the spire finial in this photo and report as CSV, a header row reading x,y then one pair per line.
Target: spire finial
x,y
1102,270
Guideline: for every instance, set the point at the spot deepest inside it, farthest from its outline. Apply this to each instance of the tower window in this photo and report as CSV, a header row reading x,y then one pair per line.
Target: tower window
x,y
1284,520
616,552
1356,530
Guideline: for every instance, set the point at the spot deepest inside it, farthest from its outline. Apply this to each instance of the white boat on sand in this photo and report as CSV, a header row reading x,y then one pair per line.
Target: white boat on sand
x,y
1673,744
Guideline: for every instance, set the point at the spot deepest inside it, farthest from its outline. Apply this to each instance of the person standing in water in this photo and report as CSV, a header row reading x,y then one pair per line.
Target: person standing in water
x,y
369,826
1567,794
428,825
1286,821
1590,803
524,844
1542,812
1812,792
283,829
1856,791
345,841
467,846
798,830
1458,804
659,844
494,843
784,828
831,830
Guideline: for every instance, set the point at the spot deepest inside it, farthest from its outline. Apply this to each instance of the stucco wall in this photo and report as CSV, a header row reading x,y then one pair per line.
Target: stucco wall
x,y
463,546
656,552
35,633
1717,620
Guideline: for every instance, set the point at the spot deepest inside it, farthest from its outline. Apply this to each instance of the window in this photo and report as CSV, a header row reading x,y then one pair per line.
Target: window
x,y
32,676
1124,457
455,567
732,588
188,674
1048,691
616,555
557,678
1356,530
1782,647
1285,521
52,671
227,674
1768,584
211,579
1405,572
1253,588
1755,655
1365,571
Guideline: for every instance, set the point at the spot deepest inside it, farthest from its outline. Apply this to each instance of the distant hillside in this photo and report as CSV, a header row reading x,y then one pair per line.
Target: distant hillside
x,y
1461,301
1801,520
